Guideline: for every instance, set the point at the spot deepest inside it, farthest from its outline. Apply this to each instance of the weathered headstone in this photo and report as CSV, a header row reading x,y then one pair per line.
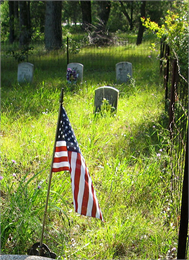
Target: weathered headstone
x,y
123,71
108,93
78,67
23,257
25,72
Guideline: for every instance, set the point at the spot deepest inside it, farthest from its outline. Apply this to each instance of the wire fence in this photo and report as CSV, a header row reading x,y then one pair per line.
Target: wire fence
x,y
176,104
93,57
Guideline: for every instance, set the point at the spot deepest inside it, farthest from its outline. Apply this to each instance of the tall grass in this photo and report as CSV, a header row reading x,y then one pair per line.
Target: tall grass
x,y
125,153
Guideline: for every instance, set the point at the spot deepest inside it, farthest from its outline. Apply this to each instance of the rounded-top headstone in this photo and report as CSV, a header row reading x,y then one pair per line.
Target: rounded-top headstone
x,y
78,67
106,92
23,257
25,72
123,71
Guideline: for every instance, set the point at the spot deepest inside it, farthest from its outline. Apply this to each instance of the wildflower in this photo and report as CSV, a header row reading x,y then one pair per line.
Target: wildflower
x,y
160,150
39,187
14,174
1,177
149,56
158,155
154,126
13,161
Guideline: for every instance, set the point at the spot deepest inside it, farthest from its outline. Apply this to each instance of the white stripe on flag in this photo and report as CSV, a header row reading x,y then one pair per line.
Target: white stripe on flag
x,y
61,164
60,143
61,154
81,187
97,206
73,165
90,201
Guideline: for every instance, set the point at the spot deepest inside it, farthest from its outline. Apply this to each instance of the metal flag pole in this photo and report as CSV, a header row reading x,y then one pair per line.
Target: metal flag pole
x,y
50,175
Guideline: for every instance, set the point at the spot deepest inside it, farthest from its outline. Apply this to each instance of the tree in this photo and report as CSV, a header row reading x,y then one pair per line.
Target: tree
x,y
38,19
16,20
129,18
103,13
11,22
141,27
24,21
53,28
86,13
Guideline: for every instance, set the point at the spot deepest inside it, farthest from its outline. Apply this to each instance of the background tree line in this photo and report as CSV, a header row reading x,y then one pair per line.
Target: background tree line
x,y
26,21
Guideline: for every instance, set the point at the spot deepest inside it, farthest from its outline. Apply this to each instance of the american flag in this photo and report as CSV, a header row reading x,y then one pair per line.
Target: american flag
x,y
68,157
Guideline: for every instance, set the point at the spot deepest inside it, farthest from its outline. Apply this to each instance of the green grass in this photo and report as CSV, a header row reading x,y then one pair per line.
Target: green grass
x,y
125,153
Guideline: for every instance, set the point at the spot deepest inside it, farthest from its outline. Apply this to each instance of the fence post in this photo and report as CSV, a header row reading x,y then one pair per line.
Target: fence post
x,y
182,252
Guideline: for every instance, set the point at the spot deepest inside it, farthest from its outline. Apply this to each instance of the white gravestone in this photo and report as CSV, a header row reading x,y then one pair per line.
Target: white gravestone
x,y
25,72
78,67
106,92
123,71
23,257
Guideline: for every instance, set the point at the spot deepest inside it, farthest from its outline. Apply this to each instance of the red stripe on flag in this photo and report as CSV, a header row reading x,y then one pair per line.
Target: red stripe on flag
x,y
69,159
94,208
60,149
60,159
85,195
64,168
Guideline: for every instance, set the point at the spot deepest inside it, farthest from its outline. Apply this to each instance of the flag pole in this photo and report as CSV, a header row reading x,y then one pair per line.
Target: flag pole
x,y
50,175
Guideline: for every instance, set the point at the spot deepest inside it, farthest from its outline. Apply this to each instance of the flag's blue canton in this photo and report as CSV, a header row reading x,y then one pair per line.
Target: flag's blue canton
x,y
65,132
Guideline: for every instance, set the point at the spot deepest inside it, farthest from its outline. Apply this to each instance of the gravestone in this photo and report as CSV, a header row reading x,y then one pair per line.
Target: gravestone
x,y
25,72
106,92
78,67
123,71
23,257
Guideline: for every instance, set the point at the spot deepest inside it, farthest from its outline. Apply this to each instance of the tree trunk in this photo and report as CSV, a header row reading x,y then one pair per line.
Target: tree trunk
x,y
23,19
53,28
16,9
131,22
86,14
11,22
130,19
29,20
141,27
104,12
16,21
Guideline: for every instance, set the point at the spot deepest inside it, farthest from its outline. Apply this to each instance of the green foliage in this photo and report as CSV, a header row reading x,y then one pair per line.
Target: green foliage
x,y
175,32
37,10
21,209
4,10
117,20
71,11
22,54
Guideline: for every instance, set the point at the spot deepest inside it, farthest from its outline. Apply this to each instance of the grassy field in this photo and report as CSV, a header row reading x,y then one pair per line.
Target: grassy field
x,y
125,153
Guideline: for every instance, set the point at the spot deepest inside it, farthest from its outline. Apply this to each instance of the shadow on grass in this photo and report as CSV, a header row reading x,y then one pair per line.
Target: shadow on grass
x,y
144,140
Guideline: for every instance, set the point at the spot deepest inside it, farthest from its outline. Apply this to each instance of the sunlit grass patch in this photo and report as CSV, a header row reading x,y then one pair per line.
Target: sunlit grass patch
x,y
126,153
